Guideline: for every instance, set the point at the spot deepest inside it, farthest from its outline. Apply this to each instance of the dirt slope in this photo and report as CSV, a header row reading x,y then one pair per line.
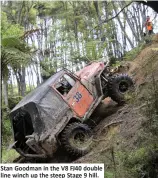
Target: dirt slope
x,y
121,130
115,129
145,64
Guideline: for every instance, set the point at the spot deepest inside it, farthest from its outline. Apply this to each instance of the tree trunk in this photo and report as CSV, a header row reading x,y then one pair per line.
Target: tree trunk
x,y
22,82
76,27
5,90
130,23
122,28
96,5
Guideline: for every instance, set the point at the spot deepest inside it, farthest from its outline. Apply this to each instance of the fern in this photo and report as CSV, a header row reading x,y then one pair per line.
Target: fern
x,y
14,53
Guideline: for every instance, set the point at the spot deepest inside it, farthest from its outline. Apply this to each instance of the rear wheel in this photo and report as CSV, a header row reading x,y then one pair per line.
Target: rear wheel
x,y
118,86
77,138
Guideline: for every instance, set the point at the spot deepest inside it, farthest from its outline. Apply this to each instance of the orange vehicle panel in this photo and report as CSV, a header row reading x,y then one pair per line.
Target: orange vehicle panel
x,y
79,99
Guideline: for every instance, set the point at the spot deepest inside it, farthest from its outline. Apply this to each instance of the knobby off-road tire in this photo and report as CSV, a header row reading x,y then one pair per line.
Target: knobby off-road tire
x,y
77,138
118,86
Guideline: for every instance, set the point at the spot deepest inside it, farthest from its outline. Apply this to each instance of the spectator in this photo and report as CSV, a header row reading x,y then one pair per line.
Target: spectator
x,y
149,26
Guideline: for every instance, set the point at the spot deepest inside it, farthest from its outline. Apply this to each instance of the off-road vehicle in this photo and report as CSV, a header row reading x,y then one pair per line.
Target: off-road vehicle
x,y
55,113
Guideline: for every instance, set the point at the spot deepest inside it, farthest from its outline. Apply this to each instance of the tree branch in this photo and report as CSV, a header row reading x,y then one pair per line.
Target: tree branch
x,y
105,21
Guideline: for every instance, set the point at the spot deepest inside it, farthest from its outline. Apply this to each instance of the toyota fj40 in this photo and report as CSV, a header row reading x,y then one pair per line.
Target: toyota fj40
x,y
55,113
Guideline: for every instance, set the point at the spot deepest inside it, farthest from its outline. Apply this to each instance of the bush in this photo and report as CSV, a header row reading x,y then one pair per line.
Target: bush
x,y
143,161
13,101
108,174
131,55
6,127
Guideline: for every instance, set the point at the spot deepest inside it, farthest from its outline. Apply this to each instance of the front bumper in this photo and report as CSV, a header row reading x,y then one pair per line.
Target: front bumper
x,y
39,148
30,155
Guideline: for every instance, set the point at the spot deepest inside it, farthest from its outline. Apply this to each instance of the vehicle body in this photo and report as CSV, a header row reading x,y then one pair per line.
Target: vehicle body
x,y
39,120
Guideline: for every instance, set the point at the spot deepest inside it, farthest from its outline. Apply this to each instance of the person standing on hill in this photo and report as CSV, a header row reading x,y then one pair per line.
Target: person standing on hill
x,y
149,26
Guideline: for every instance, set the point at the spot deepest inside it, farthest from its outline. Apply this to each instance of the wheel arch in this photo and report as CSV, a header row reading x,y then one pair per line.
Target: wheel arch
x,y
68,138
71,120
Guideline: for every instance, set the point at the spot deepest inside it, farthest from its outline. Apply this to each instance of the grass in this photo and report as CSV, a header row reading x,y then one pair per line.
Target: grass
x,y
108,174
9,156
131,55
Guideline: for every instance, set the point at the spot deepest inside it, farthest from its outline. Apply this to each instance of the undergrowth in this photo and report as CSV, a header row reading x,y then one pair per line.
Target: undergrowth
x,y
143,161
132,54
7,155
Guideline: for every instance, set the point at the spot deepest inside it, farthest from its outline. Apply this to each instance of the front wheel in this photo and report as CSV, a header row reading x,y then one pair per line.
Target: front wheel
x,y
118,86
77,138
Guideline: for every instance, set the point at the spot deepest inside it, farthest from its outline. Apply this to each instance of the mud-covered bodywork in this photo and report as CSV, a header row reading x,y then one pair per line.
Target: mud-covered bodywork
x,y
39,114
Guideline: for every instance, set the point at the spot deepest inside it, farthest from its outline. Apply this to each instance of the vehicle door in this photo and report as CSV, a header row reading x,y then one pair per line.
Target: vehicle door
x,y
76,94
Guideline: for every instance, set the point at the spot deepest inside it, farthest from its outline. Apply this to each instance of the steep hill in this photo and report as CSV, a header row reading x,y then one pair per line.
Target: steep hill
x,y
126,141
126,138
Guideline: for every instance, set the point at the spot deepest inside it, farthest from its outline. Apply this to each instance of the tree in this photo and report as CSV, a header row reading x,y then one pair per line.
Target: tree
x,y
14,51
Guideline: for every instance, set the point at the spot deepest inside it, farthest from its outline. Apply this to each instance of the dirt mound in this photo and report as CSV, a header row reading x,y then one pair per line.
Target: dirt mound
x,y
114,131
146,64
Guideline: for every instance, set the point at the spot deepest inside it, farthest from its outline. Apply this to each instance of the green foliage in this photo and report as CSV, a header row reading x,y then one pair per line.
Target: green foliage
x,y
32,16
152,98
14,50
150,125
47,68
8,156
108,174
141,161
93,50
116,63
15,53
8,29
14,43
48,8
112,61
132,54
13,101
13,30
137,157
136,163
6,126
